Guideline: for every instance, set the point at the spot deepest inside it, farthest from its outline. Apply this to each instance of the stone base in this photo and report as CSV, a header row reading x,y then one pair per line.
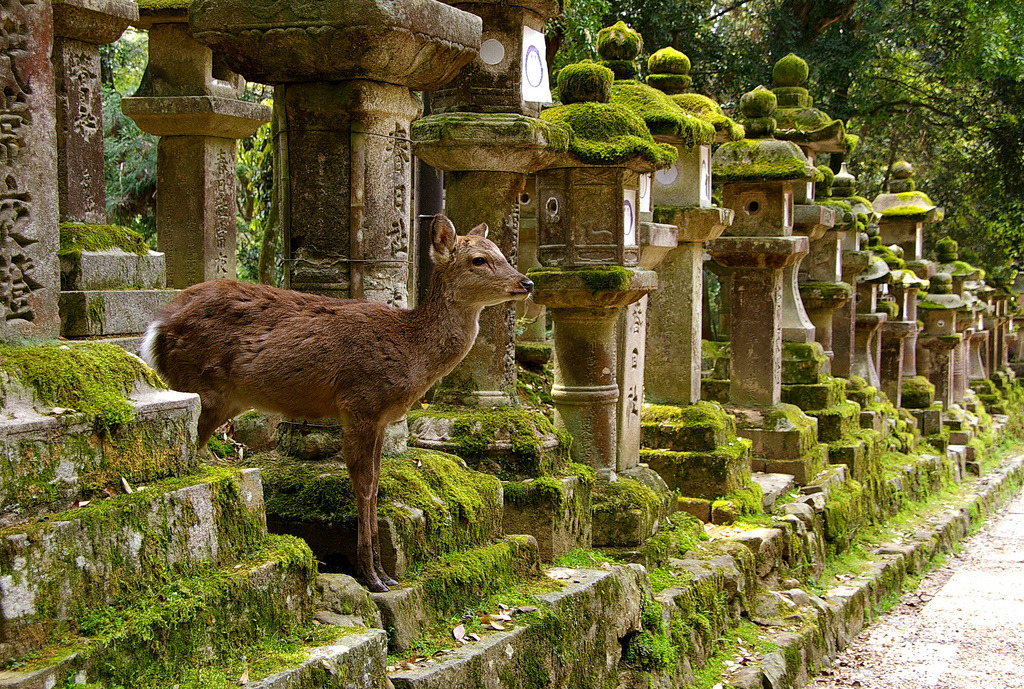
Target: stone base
x,y
325,438
101,313
929,421
837,422
429,504
803,468
815,395
111,270
510,442
555,511
630,510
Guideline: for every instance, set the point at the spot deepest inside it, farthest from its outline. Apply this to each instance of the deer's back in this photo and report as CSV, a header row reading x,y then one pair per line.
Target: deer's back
x,y
299,354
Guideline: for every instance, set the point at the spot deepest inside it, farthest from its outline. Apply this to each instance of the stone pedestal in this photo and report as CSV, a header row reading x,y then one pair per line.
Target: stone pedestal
x,y
675,313
30,278
584,305
80,27
821,289
191,101
940,365
809,221
979,342
844,317
866,346
894,335
756,342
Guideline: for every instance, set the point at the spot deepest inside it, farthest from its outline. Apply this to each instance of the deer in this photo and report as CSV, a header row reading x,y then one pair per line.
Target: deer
x,y
243,346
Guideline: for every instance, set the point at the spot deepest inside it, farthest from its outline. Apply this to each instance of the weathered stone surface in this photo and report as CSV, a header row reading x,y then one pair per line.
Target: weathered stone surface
x,y
191,115
344,596
93,21
95,313
53,460
418,45
354,660
554,511
29,199
113,269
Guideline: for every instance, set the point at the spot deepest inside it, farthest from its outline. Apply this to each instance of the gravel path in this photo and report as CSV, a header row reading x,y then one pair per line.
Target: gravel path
x,y
963,628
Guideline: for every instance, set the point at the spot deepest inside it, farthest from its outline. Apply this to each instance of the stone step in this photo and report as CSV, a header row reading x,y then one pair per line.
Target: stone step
x,y
773,487
447,587
55,457
356,660
574,640
71,563
93,313
200,618
113,269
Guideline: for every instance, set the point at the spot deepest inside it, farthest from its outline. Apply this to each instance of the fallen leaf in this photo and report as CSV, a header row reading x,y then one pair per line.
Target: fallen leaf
x,y
82,503
526,608
502,606
501,617
474,637
497,626
459,632
110,492
327,666
127,487
244,679
57,411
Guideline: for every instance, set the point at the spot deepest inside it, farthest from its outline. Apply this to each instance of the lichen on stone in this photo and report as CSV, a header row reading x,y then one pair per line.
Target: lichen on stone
x,y
709,110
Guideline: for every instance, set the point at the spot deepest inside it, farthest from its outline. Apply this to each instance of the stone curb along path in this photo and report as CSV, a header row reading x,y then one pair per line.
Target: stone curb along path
x,y
824,625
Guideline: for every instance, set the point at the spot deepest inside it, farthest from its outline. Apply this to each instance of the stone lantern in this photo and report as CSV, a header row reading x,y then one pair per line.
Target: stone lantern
x,y
344,76
757,177
485,135
903,287
948,260
192,101
939,338
869,320
590,246
1004,304
80,27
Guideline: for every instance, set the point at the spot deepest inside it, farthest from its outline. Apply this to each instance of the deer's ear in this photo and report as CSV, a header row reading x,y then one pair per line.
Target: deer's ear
x,y
480,230
442,236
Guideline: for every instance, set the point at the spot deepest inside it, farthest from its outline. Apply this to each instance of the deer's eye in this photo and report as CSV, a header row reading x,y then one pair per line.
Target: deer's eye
x,y
479,261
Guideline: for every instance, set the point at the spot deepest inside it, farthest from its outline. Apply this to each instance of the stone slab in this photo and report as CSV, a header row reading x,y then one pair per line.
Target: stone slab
x,y
773,487
560,521
354,660
94,313
113,269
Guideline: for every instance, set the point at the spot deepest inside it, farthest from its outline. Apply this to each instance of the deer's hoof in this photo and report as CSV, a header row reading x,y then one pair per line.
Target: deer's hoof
x,y
388,581
377,586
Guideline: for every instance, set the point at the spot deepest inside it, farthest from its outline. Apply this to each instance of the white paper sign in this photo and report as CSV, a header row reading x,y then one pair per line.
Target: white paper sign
x,y
629,218
645,193
705,176
535,67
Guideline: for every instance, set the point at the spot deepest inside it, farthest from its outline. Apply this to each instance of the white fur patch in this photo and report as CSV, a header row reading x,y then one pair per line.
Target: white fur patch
x,y
147,350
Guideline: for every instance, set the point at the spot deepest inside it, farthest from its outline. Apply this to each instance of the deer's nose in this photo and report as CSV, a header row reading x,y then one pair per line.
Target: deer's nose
x,y
527,284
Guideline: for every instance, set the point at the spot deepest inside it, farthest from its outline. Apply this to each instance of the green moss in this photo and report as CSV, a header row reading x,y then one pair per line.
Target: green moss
x,y
78,237
609,134
918,393
585,81
595,279
94,378
758,103
668,61
155,5
619,42
670,83
661,114
709,110
650,649
617,497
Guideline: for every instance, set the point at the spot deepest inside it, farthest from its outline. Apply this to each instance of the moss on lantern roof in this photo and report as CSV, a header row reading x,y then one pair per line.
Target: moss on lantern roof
x,y
661,114
802,119
668,61
851,141
761,160
758,103
619,42
608,133
670,83
835,203
855,200
958,268
710,111
791,70
585,81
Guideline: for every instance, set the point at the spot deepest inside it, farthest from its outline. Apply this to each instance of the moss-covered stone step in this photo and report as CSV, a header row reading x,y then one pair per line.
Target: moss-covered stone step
x,y
357,659
804,363
573,640
113,269
704,474
72,563
779,432
184,622
556,510
54,457
509,442
838,421
429,504
816,396
453,583
101,313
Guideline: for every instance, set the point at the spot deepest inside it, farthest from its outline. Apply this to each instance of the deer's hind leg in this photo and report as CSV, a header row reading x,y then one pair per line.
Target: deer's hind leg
x,y
377,566
363,442
216,411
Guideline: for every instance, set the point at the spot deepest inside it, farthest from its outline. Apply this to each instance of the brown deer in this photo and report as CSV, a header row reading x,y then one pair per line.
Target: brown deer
x,y
242,346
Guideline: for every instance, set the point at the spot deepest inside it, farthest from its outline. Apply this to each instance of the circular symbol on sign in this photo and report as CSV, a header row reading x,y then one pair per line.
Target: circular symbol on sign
x,y
627,209
667,176
645,185
534,67
492,51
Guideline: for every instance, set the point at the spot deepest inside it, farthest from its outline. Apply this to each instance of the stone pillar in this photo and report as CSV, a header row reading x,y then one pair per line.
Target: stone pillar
x,y
894,335
756,341
191,101
29,272
811,221
534,314
844,318
940,337
979,342
80,27
584,306
868,322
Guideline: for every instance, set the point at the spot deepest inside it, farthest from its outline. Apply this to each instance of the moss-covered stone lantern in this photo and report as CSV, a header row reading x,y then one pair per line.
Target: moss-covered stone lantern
x,y
898,331
1004,305
905,211
757,177
485,134
947,255
869,320
192,101
938,340
591,249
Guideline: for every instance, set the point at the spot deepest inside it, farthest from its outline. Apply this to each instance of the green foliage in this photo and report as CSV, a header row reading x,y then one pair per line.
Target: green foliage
x,y
258,248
